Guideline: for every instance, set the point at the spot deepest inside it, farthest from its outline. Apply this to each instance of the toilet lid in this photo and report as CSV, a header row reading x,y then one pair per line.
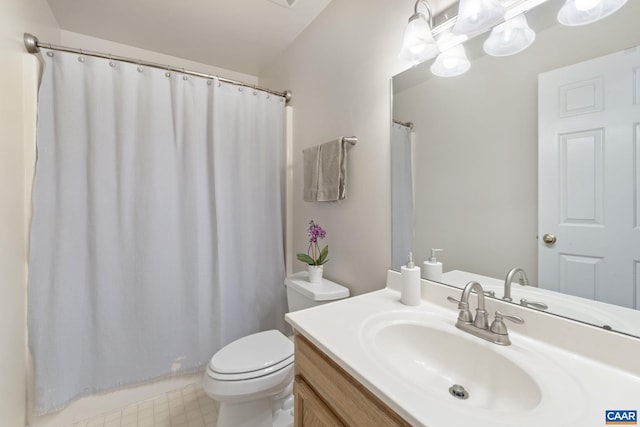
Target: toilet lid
x,y
323,291
254,352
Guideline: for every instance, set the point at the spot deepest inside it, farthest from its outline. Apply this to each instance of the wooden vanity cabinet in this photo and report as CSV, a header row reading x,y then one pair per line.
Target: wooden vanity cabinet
x,y
327,396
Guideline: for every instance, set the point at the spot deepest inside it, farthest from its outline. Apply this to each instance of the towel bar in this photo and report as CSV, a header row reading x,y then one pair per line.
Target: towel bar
x,y
350,139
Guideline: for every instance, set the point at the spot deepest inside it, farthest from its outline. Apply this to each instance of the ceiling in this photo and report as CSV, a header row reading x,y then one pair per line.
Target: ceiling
x,y
239,35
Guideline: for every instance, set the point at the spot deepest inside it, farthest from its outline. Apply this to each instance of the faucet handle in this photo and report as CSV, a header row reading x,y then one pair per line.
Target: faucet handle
x,y
498,326
514,319
453,300
538,305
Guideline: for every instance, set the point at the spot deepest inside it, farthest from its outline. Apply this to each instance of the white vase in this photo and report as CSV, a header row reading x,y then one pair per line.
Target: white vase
x,y
315,273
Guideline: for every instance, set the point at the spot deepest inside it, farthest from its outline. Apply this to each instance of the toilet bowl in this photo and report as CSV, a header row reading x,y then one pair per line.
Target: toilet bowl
x,y
252,377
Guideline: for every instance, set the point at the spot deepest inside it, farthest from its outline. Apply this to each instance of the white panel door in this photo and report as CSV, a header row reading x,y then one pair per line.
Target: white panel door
x,y
589,154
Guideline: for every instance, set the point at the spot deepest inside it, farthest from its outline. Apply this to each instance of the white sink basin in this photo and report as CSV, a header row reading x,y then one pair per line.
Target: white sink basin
x,y
436,360
430,355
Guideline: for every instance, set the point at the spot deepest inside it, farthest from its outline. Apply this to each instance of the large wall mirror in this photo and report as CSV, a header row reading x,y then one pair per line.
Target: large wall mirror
x,y
475,162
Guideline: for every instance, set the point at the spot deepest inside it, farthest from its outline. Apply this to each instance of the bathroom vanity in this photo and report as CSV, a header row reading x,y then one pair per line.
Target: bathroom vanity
x,y
370,360
325,394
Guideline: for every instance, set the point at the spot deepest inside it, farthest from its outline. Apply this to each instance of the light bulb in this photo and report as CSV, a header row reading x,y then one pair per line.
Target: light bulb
x,y
586,4
474,12
418,44
582,12
507,35
417,49
477,15
510,37
449,63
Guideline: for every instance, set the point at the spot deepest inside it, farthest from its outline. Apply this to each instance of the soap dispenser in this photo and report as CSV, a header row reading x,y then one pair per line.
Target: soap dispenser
x,y
410,283
433,268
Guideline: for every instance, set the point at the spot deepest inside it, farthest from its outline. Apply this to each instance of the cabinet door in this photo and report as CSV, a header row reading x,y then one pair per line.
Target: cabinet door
x,y
310,410
349,400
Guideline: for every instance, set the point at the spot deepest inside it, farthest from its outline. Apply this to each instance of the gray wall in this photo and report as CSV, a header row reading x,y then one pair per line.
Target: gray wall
x,y
339,70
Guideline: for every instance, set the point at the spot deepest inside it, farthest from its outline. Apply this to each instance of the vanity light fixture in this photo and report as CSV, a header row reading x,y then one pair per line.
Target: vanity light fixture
x,y
452,61
510,32
510,37
582,12
478,15
418,44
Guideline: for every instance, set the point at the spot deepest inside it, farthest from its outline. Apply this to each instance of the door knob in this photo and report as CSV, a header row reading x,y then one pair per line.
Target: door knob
x,y
549,238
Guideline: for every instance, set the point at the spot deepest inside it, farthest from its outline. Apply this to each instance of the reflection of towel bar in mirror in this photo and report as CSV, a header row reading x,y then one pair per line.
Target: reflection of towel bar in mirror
x,y
350,139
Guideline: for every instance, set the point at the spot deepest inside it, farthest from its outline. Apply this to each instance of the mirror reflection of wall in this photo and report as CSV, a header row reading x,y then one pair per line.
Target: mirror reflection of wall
x,y
476,155
402,192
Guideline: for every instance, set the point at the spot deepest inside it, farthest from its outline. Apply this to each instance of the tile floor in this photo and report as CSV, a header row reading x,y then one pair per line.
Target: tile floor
x,y
186,407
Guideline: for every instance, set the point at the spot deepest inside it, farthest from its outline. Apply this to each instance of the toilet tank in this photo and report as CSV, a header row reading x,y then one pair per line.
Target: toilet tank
x,y
303,294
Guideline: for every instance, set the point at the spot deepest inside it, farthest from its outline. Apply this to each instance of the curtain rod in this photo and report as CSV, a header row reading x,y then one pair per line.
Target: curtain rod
x,y
406,124
33,45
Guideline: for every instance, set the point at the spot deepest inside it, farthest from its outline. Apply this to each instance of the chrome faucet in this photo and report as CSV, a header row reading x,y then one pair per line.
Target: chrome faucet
x,y
524,281
507,282
479,326
465,315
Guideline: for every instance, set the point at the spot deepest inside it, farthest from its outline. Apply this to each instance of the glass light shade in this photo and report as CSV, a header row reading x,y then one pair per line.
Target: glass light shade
x,y
582,12
510,37
418,44
452,62
477,15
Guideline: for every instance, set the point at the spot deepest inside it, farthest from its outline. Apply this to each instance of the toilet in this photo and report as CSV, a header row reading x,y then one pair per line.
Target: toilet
x,y
252,377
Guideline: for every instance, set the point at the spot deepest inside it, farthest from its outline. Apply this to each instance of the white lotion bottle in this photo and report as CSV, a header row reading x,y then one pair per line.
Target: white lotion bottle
x,y
433,268
410,283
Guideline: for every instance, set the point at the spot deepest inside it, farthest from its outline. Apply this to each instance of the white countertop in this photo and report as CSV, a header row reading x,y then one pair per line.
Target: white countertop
x,y
336,329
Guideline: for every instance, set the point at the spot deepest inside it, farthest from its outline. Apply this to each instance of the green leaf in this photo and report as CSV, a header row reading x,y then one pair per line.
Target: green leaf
x,y
323,255
306,259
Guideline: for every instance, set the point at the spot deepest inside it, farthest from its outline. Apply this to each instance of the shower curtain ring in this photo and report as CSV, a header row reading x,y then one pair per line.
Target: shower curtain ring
x,y
184,76
81,57
111,63
168,74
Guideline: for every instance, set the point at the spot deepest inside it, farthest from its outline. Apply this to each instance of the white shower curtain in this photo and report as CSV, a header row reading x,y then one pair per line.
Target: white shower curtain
x,y
402,210
157,231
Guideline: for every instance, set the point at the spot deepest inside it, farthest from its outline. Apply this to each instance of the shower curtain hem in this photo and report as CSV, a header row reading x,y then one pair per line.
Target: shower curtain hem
x,y
119,387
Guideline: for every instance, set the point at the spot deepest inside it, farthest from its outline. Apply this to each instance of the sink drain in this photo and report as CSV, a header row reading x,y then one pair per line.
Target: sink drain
x,y
458,392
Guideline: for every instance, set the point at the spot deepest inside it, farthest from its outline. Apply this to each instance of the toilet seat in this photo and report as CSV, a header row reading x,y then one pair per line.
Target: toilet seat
x,y
253,356
240,376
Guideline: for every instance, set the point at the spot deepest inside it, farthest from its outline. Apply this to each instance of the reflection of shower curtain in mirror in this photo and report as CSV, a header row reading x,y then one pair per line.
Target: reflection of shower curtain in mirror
x,y
401,194
157,226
